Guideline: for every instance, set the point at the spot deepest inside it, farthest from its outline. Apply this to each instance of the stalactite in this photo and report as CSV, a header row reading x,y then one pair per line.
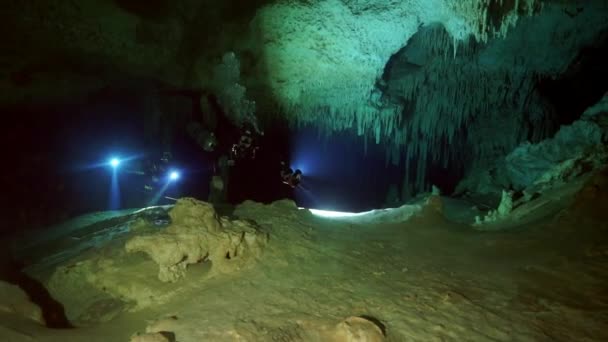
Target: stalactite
x,y
449,94
503,17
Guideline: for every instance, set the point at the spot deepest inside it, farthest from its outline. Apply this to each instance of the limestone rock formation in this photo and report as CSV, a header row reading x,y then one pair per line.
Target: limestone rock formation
x,y
164,324
357,329
99,288
351,329
15,302
598,110
575,149
537,169
529,162
197,234
503,105
154,337
504,209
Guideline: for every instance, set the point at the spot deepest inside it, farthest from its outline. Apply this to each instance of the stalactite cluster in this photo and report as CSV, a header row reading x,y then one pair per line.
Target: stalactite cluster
x,y
491,18
464,93
440,109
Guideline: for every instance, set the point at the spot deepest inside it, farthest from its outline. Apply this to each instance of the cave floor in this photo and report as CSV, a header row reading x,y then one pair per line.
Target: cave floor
x,y
426,279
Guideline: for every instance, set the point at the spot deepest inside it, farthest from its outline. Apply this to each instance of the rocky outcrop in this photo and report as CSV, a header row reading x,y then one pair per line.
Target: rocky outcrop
x,y
64,51
350,329
357,329
467,105
528,162
15,302
197,234
96,287
575,149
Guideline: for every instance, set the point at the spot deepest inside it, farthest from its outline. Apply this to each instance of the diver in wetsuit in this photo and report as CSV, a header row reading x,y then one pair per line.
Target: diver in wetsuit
x,y
290,177
154,170
171,113
247,147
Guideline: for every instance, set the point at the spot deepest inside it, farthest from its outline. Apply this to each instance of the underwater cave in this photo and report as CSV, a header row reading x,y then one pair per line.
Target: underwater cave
x,y
304,170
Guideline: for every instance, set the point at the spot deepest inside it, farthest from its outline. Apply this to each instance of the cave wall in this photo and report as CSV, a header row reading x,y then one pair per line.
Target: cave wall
x,y
470,104
451,94
65,50
61,51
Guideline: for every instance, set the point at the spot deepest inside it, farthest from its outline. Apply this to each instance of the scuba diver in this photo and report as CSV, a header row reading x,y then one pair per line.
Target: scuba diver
x,y
234,147
289,177
247,147
155,170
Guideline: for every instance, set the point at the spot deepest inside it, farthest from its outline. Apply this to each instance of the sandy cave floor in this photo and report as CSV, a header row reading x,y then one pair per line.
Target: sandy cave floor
x,y
427,279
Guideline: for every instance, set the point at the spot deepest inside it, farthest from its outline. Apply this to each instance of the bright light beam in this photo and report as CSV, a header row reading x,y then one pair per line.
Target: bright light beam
x,y
114,162
114,201
173,176
334,214
159,194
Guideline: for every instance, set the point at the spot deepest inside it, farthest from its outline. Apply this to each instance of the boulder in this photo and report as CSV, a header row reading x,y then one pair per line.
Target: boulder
x,y
197,234
357,329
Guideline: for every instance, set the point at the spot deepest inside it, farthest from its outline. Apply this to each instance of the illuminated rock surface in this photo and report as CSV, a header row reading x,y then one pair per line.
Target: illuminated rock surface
x,y
198,235
419,279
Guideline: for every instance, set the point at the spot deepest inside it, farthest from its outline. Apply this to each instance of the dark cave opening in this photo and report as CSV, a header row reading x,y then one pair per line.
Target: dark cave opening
x,y
581,85
337,172
342,171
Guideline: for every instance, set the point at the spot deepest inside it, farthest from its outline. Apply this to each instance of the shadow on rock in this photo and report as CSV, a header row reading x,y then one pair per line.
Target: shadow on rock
x,y
52,311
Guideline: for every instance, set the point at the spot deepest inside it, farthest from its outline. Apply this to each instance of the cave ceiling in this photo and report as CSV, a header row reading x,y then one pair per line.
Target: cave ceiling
x,y
375,66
